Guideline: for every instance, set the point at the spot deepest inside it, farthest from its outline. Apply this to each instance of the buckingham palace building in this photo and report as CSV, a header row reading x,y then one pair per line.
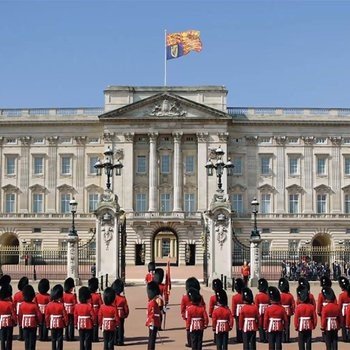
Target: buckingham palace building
x,y
295,161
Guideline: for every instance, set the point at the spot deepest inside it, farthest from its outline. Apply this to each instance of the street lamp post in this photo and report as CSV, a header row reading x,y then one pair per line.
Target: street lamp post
x,y
255,234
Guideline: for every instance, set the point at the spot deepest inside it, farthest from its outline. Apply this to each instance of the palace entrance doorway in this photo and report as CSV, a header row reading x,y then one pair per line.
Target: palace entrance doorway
x,y
165,245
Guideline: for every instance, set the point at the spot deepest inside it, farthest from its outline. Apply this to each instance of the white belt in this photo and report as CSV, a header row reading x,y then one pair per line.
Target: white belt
x,y
82,318
262,308
303,321
3,318
331,323
272,322
54,319
25,318
219,325
247,323
238,309
42,308
193,321
17,308
106,319
344,307
68,306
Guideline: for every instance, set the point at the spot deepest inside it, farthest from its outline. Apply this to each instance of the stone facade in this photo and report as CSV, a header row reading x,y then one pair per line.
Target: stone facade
x,y
295,161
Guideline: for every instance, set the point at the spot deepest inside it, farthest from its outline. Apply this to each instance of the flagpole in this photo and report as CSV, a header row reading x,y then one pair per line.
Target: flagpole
x,y
165,57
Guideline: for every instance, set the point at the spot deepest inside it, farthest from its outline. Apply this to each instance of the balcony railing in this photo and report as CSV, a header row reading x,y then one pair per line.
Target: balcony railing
x,y
46,216
25,112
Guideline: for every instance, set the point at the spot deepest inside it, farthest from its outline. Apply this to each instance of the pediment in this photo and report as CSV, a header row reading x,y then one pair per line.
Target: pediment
x,y
295,188
10,188
66,188
267,188
165,106
38,188
94,188
323,188
237,188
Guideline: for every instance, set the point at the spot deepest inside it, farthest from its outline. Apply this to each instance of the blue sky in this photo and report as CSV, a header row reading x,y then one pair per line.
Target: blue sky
x,y
267,53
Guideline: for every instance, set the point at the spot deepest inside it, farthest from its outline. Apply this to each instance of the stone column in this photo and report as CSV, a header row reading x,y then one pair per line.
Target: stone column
x,y
80,169
280,174
153,173
308,173
24,174
127,155
202,178
73,258
252,166
336,175
51,174
255,260
178,177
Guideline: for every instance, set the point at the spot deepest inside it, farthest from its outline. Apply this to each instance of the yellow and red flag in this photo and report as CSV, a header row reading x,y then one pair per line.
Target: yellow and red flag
x,y
180,44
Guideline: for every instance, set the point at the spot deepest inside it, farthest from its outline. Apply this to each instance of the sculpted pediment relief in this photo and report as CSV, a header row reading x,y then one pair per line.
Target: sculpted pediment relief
x,y
94,188
38,188
266,188
11,188
66,188
295,188
323,188
237,188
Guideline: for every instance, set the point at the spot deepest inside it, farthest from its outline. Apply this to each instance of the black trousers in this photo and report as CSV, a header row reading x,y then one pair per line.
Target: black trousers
x,y
275,340
188,334
85,336
43,331
29,335
345,334
286,332
20,333
221,340
6,336
108,340
262,335
95,333
249,340
196,340
70,328
152,335
239,338
119,333
331,340
57,339
304,340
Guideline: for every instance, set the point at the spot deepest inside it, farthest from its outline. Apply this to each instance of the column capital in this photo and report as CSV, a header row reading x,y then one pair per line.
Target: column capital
x,y
129,136
202,136
1,140
336,140
177,136
308,140
80,140
223,136
281,140
108,136
153,136
53,140
252,140
25,140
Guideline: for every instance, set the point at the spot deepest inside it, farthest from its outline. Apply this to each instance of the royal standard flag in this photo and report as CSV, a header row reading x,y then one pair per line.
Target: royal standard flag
x,y
180,44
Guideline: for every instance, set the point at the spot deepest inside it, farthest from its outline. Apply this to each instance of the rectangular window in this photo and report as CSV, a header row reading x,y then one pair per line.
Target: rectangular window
x,y
237,202
189,164
10,203
265,248
165,203
165,164
93,202
293,166
347,204
38,165
321,166
92,162
321,203
10,165
266,203
165,247
65,199
141,202
237,166
294,230
38,205
66,165
189,203
141,165
37,244
265,165
347,166
294,203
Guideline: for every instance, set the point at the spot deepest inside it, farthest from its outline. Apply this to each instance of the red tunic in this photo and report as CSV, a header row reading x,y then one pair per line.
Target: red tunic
x,y
153,314
330,317
237,304
275,318
222,319
344,304
8,317
249,318
122,306
149,277
197,318
185,303
288,302
108,318
42,300
212,305
305,317
55,315
321,302
83,316
262,301
347,318
96,302
17,300
69,302
29,315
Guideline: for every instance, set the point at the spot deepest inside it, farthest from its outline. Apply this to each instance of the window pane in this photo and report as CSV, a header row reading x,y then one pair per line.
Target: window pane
x,y
65,199
265,203
321,203
189,164
93,201
10,203
237,202
347,204
165,164
10,165
237,163
141,204
293,166
293,203
38,203
265,165
347,166
92,162
65,168
141,164
165,205
321,166
189,203
38,165
165,247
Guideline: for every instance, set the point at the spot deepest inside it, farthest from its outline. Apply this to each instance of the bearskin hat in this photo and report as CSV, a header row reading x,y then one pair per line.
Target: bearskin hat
x,y
93,284
68,284
302,281
328,293
28,293
217,284
194,295
247,295
5,291
303,294
151,266
238,285
56,292
118,286
5,279
192,282
263,285
274,294
84,294
221,297
343,282
325,281
43,286
283,285
22,282
158,275
152,290
108,296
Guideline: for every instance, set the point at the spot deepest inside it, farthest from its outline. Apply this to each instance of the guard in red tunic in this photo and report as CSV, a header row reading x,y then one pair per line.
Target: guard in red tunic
x,y
29,317
262,301
330,319
325,281
96,302
237,304
121,303
197,319
347,315
84,318
162,302
108,318
150,274
222,320
42,299
305,319
8,318
275,319
18,299
191,282
344,302
248,320
288,302
153,314
56,317
69,302
213,303
302,281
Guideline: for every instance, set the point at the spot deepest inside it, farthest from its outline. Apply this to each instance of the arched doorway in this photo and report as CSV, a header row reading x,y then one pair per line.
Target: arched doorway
x,y
9,245
165,245
321,247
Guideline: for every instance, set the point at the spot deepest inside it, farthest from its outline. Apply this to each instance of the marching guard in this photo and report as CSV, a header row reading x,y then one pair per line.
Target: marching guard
x,y
69,302
302,281
237,304
56,317
213,302
344,302
42,298
150,274
288,302
325,281
18,299
262,301
248,320
153,314
96,302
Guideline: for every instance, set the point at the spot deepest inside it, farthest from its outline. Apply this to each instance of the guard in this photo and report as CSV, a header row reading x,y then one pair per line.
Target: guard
x,y
96,302
18,299
237,304
344,302
262,301
158,278
325,281
302,281
69,302
213,303
150,274
153,314
288,302
42,299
